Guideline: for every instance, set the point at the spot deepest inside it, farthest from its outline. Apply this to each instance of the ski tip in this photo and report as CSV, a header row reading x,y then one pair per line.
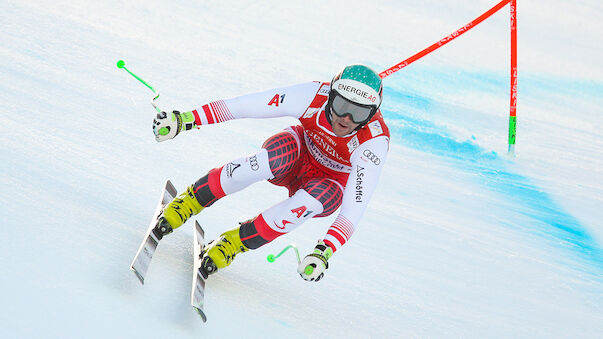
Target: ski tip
x,y
201,314
170,188
199,229
138,275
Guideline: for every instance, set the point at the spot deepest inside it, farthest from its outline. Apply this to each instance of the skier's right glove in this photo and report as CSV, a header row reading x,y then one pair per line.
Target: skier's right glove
x,y
167,125
313,266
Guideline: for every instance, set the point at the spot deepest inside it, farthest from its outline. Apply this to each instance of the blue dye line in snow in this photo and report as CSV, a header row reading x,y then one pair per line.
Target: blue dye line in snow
x,y
550,221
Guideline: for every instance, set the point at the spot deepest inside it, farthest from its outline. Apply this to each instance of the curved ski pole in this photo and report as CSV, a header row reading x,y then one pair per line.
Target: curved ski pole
x,y
272,257
122,64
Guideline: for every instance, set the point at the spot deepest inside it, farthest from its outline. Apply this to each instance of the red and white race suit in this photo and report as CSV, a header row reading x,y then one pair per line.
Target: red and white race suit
x,y
321,171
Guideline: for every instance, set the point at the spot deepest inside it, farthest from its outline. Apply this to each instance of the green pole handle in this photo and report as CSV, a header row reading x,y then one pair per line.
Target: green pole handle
x,y
122,64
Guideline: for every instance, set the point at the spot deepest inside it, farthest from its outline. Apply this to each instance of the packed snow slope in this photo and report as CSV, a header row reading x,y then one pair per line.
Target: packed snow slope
x,y
460,240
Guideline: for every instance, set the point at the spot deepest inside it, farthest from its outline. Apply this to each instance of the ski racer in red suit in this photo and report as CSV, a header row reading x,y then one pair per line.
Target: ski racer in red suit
x,y
333,159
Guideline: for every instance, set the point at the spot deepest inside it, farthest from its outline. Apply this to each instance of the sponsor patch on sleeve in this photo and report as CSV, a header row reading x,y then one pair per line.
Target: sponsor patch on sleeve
x,y
310,112
324,90
352,144
375,128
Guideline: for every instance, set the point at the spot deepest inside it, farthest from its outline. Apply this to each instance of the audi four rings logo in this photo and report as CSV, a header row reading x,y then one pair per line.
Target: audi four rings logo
x,y
253,161
371,156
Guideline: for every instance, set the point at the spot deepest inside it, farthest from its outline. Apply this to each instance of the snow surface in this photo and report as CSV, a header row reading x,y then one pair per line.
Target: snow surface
x,y
460,240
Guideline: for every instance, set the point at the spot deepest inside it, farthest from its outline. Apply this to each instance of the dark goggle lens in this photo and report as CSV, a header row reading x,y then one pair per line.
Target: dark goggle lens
x,y
342,107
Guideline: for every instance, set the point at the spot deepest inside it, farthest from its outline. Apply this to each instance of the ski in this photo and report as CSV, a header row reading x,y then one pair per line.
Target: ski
x,y
198,291
143,257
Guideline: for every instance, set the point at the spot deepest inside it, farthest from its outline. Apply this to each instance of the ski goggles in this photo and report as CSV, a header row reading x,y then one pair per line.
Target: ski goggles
x,y
342,107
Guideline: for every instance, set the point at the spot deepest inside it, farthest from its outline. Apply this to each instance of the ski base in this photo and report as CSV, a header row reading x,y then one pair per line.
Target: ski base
x,y
143,257
198,289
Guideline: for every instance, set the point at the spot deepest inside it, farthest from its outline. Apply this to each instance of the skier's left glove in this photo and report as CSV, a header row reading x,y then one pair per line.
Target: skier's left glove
x,y
313,266
167,125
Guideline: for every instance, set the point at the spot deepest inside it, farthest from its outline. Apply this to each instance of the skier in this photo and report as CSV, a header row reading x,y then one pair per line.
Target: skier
x,y
334,158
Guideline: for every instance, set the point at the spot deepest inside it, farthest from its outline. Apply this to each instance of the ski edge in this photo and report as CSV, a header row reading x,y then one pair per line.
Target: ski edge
x,y
198,281
201,314
168,188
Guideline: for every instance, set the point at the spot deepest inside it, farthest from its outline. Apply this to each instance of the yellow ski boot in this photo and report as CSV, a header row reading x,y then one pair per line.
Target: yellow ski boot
x,y
177,213
221,252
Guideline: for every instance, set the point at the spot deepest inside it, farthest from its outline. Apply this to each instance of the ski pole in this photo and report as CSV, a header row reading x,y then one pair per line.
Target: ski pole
x,y
272,257
122,64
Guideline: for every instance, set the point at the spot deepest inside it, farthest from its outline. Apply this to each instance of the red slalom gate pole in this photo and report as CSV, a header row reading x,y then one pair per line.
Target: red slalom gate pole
x,y
513,104
445,40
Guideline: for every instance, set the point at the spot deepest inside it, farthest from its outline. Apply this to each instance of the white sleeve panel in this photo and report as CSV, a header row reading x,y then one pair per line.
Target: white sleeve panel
x,y
367,161
291,101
